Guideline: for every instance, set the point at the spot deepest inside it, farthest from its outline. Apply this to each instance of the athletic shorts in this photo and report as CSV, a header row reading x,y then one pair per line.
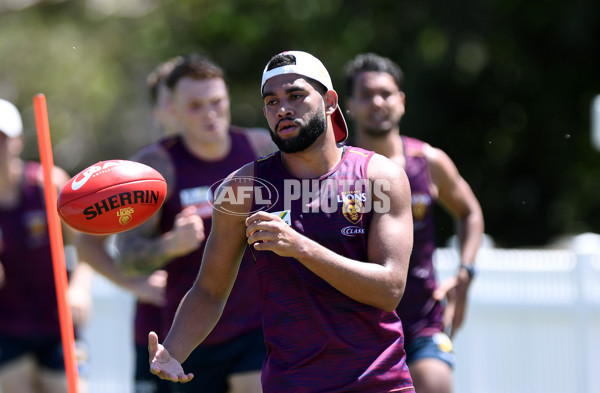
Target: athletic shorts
x,y
438,346
212,365
145,381
47,352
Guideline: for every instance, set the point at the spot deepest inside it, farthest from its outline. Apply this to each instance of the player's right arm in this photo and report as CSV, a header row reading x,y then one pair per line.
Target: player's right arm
x,y
203,304
144,249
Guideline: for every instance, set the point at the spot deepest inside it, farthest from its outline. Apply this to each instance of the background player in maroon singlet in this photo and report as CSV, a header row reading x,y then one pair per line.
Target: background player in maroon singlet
x,y
31,359
147,288
328,299
205,150
376,103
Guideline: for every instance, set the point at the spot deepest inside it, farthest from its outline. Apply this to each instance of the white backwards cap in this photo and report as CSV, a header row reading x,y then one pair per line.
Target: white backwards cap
x,y
309,66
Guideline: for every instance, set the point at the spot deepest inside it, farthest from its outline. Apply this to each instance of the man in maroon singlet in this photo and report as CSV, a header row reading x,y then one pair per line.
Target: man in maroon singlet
x,y
376,103
31,356
193,161
148,289
331,253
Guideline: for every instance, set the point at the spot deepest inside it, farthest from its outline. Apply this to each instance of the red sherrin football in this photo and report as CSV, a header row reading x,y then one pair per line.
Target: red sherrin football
x,y
111,196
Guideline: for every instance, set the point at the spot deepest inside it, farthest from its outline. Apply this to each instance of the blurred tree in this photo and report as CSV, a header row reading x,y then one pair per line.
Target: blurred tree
x,y
503,86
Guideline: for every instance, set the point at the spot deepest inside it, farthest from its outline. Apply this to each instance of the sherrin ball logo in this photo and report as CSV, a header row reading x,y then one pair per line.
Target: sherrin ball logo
x,y
84,176
129,198
111,196
125,215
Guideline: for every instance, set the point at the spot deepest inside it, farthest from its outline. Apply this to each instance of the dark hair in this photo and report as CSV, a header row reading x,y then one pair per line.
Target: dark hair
x,y
194,66
158,75
280,60
371,62
283,59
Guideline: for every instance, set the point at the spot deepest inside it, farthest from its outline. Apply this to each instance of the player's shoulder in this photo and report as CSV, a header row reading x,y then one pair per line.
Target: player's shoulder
x,y
155,155
414,147
249,132
149,151
246,170
234,194
381,167
436,157
60,177
259,138
34,174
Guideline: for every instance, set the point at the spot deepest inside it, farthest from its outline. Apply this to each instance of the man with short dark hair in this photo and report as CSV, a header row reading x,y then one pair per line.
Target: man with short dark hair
x,y
376,103
193,161
148,288
31,351
330,230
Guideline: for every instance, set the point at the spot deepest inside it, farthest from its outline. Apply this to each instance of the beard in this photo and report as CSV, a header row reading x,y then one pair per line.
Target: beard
x,y
308,134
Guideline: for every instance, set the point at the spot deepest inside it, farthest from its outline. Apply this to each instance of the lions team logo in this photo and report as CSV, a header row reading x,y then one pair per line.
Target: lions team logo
x,y
353,207
420,204
125,215
36,224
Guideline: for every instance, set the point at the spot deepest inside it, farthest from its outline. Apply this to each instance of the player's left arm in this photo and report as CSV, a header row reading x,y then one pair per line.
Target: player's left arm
x,y
457,197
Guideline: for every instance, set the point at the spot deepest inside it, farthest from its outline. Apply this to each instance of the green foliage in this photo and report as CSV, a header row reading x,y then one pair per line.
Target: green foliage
x,y
504,87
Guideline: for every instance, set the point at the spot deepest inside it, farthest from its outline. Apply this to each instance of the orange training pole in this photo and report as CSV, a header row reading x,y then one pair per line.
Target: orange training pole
x,y
56,242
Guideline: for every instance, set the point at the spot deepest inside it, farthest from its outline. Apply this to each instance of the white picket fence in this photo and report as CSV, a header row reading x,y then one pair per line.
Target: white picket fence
x,y
109,339
533,324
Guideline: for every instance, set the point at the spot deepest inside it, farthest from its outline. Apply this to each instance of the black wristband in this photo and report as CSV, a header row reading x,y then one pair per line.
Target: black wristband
x,y
471,271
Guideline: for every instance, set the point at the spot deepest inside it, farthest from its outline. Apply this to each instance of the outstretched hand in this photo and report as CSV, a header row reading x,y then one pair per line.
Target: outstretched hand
x,y
162,364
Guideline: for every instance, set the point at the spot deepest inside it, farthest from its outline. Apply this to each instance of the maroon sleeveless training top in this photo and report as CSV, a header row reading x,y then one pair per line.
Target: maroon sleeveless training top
x,y
318,339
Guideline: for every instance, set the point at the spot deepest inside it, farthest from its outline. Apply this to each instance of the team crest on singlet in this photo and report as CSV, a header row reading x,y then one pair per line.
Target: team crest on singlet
x,y
420,204
37,227
353,206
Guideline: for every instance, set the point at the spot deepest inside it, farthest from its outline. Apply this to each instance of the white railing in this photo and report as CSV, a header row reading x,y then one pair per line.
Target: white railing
x,y
109,339
533,323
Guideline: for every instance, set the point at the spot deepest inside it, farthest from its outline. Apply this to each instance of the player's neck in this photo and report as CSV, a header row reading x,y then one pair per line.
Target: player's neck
x,y
388,144
320,158
214,150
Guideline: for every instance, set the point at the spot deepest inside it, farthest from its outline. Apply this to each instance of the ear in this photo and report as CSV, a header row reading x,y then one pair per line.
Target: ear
x,y
331,102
